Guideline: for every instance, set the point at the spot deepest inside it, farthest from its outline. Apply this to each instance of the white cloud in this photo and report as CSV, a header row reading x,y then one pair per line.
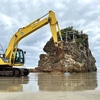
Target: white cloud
x,y
95,38
85,1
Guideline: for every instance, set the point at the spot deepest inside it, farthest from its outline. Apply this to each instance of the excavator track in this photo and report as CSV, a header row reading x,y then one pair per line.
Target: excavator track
x,y
13,72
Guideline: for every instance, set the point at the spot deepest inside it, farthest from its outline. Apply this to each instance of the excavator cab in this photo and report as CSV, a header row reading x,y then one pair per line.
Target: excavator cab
x,y
19,58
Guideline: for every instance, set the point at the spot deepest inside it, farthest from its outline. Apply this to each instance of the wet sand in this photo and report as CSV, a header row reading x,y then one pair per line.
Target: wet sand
x,y
83,95
44,86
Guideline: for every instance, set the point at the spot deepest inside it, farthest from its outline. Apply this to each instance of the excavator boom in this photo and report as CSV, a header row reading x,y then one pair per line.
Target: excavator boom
x,y
35,25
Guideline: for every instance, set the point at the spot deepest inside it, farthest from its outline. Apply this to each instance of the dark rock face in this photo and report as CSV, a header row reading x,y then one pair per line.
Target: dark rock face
x,y
74,57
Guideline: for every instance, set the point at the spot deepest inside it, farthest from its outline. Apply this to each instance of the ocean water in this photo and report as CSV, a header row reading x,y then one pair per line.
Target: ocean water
x,y
51,82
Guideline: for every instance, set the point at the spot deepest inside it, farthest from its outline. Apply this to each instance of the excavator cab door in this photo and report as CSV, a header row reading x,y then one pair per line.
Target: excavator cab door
x,y
19,59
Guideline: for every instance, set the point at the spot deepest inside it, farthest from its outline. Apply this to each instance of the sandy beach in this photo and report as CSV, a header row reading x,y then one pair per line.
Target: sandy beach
x,y
79,95
44,86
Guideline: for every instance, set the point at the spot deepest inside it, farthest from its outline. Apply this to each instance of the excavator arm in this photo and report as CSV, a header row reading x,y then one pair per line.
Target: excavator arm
x,y
35,25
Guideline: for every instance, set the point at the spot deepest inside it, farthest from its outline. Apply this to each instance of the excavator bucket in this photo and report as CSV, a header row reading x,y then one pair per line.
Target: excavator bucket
x,y
59,53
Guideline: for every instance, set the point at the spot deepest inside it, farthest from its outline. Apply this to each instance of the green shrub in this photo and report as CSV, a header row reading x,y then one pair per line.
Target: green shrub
x,y
79,40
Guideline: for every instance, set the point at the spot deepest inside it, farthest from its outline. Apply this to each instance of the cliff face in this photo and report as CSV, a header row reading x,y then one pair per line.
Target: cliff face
x,y
74,57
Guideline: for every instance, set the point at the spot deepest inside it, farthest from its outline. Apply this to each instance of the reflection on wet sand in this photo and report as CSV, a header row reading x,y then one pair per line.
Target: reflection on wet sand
x,y
12,84
49,82
67,82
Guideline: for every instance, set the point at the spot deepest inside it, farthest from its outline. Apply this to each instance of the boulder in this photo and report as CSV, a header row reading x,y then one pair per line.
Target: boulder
x,y
75,56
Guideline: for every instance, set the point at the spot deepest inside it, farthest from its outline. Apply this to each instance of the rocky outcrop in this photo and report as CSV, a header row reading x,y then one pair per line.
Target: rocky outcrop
x,y
75,56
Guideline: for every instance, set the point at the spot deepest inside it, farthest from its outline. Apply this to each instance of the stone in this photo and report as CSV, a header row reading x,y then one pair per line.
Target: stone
x,y
74,57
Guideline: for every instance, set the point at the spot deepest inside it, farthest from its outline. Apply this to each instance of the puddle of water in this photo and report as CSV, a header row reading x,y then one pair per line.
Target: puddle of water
x,y
51,82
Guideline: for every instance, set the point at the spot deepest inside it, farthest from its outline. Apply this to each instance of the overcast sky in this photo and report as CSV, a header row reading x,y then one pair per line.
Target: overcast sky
x,y
81,14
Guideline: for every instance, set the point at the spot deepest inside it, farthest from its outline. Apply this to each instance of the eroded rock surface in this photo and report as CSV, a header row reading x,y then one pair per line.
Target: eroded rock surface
x,y
74,57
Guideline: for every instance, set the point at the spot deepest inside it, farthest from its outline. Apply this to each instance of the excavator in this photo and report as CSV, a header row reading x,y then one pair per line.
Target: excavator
x,y
14,56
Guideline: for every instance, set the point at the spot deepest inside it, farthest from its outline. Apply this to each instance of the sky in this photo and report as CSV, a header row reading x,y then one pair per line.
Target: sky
x,y
81,14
